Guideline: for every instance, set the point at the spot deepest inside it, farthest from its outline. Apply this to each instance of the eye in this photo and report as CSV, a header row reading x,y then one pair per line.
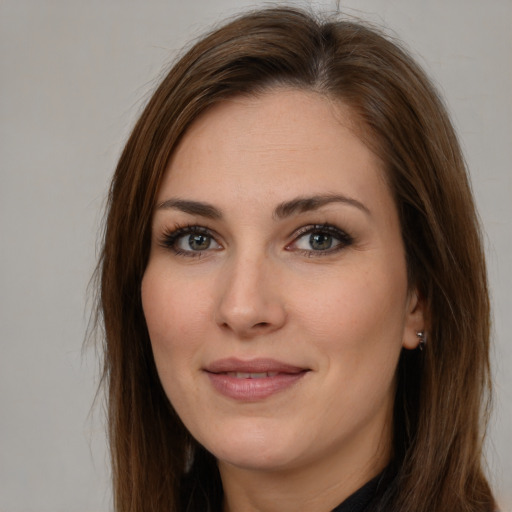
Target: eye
x,y
194,242
190,241
320,239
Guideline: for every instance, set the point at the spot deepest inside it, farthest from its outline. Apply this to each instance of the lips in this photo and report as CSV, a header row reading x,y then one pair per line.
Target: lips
x,y
252,380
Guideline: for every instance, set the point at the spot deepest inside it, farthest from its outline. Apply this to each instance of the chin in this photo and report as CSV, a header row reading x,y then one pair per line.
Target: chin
x,y
254,460
256,449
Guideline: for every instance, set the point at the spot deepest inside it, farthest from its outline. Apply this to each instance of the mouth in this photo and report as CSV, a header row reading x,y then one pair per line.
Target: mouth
x,y
252,380
258,367
255,375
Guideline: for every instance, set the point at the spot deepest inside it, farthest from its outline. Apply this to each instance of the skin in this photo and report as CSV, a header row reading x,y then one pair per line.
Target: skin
x,y
262,290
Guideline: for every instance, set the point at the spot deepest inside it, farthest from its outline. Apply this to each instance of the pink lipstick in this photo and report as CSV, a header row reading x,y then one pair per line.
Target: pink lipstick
x,y
252,380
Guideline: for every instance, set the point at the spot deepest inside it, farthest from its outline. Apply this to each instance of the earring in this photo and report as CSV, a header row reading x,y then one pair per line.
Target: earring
x,y
422,337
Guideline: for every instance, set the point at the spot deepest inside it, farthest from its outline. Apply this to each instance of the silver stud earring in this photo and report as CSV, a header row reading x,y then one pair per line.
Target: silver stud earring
x,y
422,337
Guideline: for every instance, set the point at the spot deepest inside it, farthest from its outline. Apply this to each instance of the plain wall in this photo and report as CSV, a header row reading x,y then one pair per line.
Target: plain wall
x,y
74,76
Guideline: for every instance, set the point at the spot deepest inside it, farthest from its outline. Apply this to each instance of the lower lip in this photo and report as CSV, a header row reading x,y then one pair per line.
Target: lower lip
x,y
253,389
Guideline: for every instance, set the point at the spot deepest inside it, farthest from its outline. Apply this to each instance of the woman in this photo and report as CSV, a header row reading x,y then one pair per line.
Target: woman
x,y
293,285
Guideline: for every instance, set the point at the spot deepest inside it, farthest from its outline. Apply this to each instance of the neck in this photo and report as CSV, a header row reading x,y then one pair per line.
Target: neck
x,y
320,487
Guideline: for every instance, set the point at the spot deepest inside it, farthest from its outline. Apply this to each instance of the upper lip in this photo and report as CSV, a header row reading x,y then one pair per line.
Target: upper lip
x,y
259,365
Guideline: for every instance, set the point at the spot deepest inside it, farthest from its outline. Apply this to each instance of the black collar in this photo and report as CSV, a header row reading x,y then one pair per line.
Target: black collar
x,y
359,501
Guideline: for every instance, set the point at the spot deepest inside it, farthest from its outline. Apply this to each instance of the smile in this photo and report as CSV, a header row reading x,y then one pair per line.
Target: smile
x,y
252,380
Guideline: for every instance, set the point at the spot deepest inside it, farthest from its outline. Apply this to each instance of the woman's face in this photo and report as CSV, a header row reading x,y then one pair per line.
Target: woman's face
x,y
276,292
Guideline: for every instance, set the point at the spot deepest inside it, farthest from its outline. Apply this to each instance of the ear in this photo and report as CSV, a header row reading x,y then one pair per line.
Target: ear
x,y
414,320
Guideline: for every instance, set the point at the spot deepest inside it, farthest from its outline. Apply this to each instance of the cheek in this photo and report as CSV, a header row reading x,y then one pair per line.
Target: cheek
x,y
355,301
362,340
356,321
173,330
172,315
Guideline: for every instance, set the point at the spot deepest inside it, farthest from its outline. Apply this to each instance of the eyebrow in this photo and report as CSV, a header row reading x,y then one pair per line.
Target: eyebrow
x,y
192,207
306,204
283,210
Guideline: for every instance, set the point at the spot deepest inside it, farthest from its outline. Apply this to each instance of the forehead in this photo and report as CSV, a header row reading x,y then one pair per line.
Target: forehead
x,y
284,141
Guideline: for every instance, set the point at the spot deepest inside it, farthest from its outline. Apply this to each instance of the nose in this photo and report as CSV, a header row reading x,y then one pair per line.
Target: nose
x,y
249,301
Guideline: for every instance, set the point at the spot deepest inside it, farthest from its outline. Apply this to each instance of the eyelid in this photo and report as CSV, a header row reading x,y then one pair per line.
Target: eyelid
x,y
341,235
170,237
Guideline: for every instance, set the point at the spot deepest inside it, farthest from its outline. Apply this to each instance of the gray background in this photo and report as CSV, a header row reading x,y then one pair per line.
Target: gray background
x,y
74,76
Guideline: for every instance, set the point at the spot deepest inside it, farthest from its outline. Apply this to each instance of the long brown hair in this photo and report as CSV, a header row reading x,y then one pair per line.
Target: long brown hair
x,y
441,405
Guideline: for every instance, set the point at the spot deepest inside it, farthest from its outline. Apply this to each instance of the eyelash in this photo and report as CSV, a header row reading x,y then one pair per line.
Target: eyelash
x,y
171,237
344,239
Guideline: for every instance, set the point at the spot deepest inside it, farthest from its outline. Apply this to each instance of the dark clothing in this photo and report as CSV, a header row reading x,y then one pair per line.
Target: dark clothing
x,y
359,501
